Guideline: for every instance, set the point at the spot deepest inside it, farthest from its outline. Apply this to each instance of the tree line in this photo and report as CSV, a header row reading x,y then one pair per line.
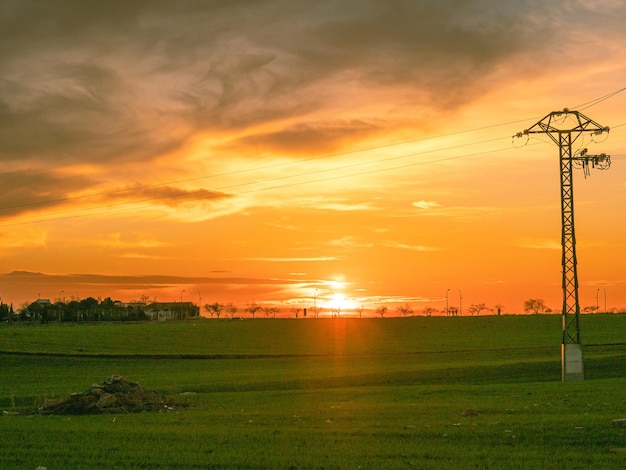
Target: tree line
x,y
216,309
88,309
91,309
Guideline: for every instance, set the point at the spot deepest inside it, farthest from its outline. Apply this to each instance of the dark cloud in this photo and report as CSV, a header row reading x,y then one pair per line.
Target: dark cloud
x,y
105,82
306,138
130,281
277,60
29,191
81,113
26,191
162,194
30,285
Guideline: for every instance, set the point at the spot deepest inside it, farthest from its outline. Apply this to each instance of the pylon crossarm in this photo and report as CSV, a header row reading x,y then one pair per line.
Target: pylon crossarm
x,y
581,160
549,125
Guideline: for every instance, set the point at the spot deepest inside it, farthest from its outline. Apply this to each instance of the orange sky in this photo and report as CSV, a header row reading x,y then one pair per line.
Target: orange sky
x,y
274,151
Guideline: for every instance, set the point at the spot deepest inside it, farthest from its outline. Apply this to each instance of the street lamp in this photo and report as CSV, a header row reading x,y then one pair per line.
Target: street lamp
x,y
597,305
181,295
460,302
447,311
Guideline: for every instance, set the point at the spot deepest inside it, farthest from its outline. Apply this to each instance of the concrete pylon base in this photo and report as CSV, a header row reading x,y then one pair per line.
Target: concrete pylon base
x,y
572,362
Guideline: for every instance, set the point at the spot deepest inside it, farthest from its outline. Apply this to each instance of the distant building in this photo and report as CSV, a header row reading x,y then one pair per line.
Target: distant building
x,y
162,311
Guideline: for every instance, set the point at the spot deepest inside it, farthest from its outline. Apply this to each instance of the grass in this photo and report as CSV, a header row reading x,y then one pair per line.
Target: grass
x,y
276,337
370,393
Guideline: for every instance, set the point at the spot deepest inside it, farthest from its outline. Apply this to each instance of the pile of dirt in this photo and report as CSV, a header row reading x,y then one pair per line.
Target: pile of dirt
x,y
114,395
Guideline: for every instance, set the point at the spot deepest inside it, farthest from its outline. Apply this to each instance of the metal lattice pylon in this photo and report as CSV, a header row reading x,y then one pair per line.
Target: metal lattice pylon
x,y
564,128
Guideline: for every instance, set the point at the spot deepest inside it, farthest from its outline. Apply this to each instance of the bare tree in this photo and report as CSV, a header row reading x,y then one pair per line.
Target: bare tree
x,y
143,300
498,308
381,311
475,309
295,311
360,311
534,306
428,311
270,311
253,308
231,309
405,310
335,310
215,308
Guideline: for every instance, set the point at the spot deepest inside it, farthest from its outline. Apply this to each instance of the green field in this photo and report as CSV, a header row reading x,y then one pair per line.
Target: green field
x,y
321,393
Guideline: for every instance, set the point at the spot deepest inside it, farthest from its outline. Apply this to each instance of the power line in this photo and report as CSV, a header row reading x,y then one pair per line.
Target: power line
x,y
21,220
591,103
278,165
78,213
265,167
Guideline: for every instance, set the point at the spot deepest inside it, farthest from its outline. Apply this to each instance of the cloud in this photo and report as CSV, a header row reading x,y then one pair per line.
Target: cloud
x,y
351,242
291,260
122,83
465,212
345,207
403,246
306,138
25,285
111,285
75,112
27,191
162,195
133,80
118,241
425,204
358,243
143,256
33,191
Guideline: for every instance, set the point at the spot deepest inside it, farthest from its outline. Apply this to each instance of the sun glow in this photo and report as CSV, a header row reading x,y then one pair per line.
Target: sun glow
x,y
339,303
336,285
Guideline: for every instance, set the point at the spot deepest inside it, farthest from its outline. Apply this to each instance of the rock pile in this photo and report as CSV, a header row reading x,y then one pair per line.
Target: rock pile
x,y
114,395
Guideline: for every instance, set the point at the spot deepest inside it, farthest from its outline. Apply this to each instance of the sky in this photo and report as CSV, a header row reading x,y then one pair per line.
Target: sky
x,y
337,153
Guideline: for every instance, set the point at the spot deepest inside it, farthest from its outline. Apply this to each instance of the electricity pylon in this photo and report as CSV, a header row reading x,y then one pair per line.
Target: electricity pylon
x,y
564,128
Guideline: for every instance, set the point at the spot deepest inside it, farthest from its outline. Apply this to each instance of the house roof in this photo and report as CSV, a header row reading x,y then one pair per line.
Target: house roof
x,y
171,305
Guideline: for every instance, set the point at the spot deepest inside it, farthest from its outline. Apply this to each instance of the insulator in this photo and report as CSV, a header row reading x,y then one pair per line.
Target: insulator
x,y
586,171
